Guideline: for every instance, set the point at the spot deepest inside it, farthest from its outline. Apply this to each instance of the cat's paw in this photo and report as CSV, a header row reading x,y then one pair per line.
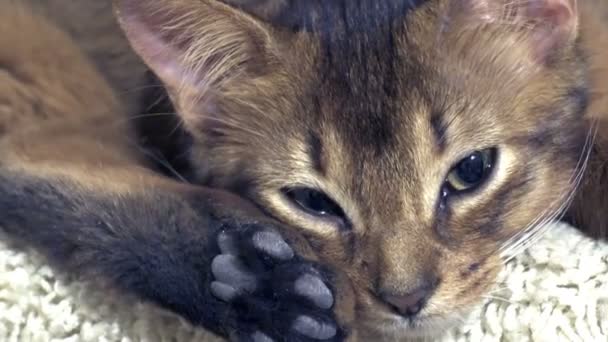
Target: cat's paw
x,y
272,293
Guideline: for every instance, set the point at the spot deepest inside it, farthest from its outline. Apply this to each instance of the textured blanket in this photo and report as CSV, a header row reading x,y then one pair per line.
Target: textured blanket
x,y
557,290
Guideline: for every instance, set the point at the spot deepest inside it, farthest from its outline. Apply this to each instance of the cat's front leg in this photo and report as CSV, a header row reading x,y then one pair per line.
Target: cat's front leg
x,y
236,277
204,254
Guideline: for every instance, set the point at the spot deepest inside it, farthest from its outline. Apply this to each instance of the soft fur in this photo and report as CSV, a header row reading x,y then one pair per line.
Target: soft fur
x,y
370,103
375,102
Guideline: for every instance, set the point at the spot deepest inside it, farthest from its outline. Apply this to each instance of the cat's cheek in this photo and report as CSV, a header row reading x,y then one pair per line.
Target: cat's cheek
x,y
345,305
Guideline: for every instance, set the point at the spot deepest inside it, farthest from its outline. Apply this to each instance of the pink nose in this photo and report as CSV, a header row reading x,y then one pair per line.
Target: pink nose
x,y
411,304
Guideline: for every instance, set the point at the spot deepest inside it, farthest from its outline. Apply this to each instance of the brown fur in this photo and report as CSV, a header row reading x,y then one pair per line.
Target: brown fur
x,y
496,78
93,29
52,96
253,85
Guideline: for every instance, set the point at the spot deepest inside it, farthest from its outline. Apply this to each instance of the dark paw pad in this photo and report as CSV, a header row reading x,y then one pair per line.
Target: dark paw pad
x,y
273,294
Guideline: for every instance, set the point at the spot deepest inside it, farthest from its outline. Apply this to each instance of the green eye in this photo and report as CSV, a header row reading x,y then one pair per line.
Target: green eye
x,y
471,171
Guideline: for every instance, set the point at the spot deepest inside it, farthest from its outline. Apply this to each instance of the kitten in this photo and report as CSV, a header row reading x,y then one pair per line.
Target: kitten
x,y
413,143
404,147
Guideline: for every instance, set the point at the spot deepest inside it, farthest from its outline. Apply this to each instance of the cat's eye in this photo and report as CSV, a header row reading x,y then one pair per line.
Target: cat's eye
x,y
470,172
314,202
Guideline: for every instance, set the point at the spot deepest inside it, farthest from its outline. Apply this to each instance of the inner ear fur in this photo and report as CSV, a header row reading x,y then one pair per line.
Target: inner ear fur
x,y
549,26
197,48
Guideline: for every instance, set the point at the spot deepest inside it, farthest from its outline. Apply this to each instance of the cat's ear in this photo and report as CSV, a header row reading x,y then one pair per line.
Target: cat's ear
x,y
549,24
196,47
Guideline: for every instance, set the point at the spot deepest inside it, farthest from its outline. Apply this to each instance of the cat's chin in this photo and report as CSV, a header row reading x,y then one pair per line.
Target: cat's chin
x,y
390,327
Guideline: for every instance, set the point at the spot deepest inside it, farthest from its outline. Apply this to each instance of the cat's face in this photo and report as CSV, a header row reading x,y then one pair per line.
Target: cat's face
x,y
413,151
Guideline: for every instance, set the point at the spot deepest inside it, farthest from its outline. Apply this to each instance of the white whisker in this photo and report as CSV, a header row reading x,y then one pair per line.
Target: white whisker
x,y
141,116
512,242
521,236
536,229
163,162
500,299
235,125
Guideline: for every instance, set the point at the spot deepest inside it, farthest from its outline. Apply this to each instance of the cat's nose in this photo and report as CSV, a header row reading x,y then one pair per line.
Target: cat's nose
x,y
410,304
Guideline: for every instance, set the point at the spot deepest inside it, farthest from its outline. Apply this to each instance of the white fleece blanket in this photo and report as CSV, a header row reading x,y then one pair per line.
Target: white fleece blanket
x,y
556,291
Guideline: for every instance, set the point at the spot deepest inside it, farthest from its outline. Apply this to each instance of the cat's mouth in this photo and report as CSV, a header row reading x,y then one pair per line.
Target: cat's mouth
x,y
381,322
389,326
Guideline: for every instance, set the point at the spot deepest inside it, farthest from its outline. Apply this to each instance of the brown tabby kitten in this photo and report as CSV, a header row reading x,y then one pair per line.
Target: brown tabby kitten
x,y
406,146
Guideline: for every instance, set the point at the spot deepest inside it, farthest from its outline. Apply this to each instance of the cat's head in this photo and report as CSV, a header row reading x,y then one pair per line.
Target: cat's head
x,y
412,144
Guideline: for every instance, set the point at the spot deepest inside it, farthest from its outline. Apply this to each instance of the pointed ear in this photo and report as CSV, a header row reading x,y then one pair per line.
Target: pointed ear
x,y
196,47
549,24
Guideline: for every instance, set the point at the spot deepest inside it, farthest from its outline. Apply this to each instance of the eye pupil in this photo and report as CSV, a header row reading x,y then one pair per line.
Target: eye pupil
x,y
472,169
317,202
314,202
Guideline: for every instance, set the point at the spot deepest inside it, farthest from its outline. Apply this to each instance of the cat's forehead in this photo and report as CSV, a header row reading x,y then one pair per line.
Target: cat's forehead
x,y
395,86
386,81
381,95
364,73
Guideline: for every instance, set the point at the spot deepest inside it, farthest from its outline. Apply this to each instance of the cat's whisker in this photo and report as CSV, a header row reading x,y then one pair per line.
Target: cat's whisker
x,y
529,240
140,88
498,298
533,232
537,231
180,124
537,235
514,242
525,241
236,125
520,236
523,234
160,160
142,116
497,289
156,102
